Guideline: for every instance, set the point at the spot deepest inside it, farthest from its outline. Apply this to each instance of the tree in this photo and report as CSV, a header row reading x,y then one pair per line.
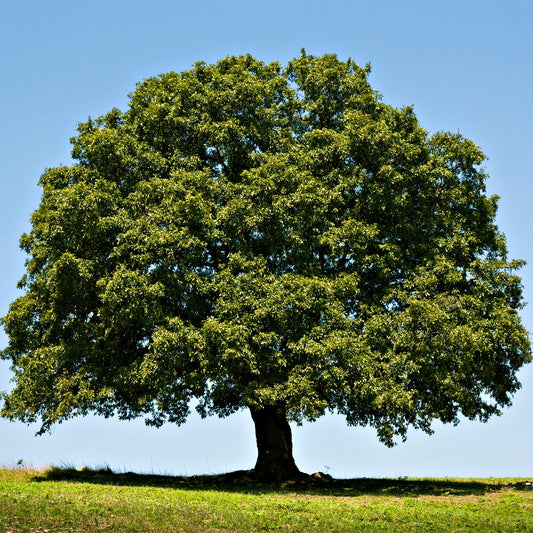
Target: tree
x,y
276,239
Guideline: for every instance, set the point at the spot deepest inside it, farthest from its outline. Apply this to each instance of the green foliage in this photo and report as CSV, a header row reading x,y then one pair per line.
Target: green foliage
x,y
249,235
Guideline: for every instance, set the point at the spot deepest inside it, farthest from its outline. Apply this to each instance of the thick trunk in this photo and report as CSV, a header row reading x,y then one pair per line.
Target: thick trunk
x,y
274,445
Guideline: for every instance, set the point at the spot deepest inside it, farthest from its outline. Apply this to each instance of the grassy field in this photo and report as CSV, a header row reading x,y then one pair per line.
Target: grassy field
x,y
67,500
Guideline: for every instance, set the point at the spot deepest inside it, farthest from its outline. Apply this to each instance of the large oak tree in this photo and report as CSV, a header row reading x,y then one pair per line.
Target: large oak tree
x,y
278,239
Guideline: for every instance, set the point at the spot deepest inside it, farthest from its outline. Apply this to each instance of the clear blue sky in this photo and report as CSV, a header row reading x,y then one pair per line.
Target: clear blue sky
x,y
466,65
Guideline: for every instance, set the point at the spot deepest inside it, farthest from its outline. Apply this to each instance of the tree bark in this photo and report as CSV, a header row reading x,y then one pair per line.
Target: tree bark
x,y
274,445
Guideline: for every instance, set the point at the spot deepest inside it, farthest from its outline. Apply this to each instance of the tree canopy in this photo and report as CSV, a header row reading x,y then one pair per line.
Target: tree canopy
x,y
248,235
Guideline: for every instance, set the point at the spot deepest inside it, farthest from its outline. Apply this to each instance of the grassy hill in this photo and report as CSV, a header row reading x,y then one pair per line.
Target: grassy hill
x,y
68,500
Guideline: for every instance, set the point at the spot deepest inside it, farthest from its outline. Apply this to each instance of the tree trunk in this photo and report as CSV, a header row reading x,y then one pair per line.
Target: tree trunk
x,y
274,445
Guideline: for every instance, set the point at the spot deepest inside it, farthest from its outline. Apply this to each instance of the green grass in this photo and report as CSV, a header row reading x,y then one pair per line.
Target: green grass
x,y
67,500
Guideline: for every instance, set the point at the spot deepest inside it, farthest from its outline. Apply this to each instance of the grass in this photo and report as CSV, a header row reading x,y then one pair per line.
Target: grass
x,y
68,500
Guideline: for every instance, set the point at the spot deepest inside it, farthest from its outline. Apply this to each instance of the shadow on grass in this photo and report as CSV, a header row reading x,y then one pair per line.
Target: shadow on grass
x,y
242,481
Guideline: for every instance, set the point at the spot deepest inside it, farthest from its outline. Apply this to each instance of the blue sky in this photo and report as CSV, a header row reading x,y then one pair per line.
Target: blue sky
x,y
464,64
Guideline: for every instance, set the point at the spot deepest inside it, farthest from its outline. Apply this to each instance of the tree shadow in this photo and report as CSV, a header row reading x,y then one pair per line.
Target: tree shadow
x,y
316,484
